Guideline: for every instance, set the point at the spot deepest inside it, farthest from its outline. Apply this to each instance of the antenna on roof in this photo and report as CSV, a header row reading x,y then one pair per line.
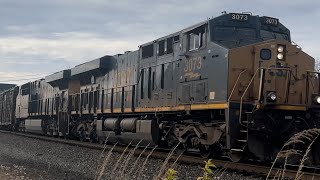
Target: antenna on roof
x,y
224,12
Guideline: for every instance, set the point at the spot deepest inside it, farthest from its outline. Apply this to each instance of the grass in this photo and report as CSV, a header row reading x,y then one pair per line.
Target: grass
x,y
297,147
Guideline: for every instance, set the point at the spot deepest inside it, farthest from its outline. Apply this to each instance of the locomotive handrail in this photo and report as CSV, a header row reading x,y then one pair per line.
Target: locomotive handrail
x,y
295,44
234,86
308,84
316,72
254,75
241,99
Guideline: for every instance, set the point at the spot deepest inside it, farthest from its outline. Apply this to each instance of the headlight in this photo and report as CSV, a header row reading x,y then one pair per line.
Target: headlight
x,y
280,56
315,99
271,97
280,49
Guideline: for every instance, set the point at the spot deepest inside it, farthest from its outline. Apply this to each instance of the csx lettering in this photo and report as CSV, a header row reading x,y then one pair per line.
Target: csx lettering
x,y
125,74
278,72
193,64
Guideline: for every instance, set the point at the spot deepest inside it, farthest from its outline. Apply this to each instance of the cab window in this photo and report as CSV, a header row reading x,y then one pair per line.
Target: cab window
x,y
161,46
165,46
147,51
196,38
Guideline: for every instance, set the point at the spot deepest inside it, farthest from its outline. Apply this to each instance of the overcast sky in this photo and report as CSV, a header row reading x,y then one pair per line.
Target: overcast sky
x,y
38,37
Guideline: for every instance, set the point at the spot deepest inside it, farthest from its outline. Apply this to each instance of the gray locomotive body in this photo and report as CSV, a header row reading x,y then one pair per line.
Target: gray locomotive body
x,y
197,88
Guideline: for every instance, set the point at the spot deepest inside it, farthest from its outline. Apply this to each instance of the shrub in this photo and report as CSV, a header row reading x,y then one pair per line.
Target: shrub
x,y
207,171
170,174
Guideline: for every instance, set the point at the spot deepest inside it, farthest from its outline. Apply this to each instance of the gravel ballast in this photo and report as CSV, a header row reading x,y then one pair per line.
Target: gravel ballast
x,y
24,158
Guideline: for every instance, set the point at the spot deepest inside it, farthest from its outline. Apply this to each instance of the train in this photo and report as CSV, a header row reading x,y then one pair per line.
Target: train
x,y
234,85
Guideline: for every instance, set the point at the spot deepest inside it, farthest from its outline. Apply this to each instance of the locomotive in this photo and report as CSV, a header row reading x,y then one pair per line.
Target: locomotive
x,y
232,85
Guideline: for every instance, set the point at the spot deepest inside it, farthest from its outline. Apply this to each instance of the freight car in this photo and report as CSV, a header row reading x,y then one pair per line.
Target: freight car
x,y
232,85
7,104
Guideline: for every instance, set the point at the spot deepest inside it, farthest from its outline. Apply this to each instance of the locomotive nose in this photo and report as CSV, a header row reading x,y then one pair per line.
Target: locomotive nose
x,y
280,79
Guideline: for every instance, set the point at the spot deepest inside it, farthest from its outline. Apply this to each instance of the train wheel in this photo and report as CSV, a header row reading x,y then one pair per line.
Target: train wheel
x,y
81,134
205,151
101,141
92,140
194,143
50,132
181,149
93,137
235,156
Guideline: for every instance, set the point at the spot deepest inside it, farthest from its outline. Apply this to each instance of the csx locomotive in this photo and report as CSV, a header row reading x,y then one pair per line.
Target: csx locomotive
x,y
232,85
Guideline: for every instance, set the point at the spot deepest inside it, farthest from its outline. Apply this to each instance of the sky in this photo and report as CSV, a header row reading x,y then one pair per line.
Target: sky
x,y
40,37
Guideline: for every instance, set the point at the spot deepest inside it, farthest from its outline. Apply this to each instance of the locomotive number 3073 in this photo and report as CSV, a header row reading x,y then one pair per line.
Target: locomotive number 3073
x,y
240,17
193,64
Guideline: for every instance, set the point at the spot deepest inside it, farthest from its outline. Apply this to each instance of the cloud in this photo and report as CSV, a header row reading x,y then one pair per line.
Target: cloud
x,y
20,77
72,46
22,56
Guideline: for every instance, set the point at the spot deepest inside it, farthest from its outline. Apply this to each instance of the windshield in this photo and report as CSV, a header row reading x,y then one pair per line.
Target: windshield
x,y
239,36
233,33
234,36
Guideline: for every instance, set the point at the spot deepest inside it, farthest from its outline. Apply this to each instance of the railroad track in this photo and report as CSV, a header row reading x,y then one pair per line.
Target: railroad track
x,y
257,170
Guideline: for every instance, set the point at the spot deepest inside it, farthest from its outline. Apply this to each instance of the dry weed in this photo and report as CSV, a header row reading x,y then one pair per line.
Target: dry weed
x,y
295,146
